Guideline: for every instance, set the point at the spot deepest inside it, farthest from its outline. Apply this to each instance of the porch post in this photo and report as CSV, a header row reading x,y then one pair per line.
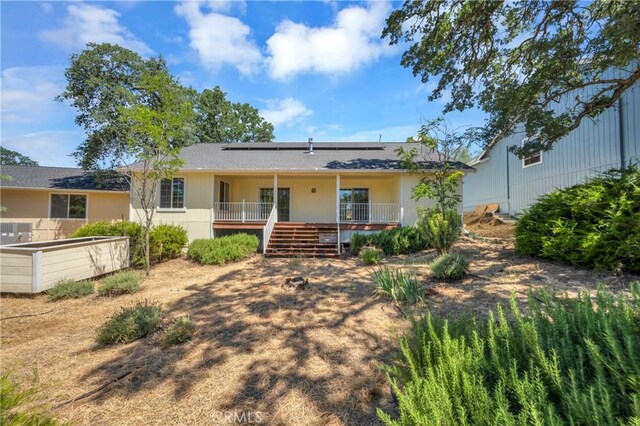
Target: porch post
x,y
402,199
243,214
275,191
213,203
337,198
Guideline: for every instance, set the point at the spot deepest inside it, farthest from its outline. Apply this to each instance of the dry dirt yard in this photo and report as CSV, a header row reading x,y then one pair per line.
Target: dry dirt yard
x,y
273,354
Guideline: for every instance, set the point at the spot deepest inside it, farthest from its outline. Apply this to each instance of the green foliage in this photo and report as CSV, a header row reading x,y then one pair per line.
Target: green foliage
x,y
70,289
518,60
398,285
131,323
371,255
595,224
440,230
219,120
9,157
123,282
167,242
565,362
180,331
450,267
17,406
404,240
221,250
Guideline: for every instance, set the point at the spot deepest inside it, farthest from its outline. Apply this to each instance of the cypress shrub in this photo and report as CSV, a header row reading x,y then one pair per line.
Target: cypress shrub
x,y
565,362
595,224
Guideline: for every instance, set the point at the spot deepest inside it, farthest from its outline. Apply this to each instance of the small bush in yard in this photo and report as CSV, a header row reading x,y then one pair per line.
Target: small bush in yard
x,y
70,289
17,406
441,230
124,282
371,255
218,251
167,242
398,285
180,331
404,240
130,324
565,362
450,267
595,224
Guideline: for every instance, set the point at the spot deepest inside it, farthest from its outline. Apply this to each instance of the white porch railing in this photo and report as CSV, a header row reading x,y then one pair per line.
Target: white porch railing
x,y
268,228
242,211
369,213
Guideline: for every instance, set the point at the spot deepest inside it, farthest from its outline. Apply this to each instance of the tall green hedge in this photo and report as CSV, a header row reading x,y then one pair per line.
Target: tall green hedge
x,y
594,224
166,241
566,362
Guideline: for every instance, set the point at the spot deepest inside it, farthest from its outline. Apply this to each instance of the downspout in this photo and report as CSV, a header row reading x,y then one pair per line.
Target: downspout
x,y
508,184
623,160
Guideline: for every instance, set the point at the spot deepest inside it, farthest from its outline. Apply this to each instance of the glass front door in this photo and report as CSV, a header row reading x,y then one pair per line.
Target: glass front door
x,y
284,200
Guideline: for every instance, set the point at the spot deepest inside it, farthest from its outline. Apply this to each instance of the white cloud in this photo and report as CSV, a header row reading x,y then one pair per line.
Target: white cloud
x,y
285,112
88,23
47,147
220,39
352,41
28,91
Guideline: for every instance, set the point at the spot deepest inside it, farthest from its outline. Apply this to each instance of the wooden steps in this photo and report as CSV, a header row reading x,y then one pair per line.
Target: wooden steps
x,y
290,239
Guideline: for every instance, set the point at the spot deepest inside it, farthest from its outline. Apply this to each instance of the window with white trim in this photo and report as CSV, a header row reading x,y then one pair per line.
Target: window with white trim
x,y
68,206
172,193
533,159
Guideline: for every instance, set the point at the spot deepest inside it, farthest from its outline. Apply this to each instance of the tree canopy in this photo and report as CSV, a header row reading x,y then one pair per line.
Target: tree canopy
x,y
518,59
10,157
220,120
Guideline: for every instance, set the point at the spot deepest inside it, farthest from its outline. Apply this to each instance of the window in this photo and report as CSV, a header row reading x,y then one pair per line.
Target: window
x,y
172,193
68,206
354,204
534,159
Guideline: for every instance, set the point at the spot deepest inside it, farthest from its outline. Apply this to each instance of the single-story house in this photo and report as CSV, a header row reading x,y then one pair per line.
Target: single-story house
x,y
47,203
280,191
611,140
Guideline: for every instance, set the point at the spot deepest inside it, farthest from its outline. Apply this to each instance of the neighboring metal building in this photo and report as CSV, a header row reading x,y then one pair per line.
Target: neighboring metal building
x,y
612,140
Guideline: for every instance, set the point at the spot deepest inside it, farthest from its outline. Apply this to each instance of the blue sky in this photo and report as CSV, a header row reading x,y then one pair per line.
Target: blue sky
x,y
314,69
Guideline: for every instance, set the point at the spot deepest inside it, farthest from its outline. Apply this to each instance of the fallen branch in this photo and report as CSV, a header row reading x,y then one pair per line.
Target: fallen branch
x,y
27,315
93,391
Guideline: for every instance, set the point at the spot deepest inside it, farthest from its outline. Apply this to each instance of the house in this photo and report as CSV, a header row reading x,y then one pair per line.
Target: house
x,y
47,203
611,140
296,196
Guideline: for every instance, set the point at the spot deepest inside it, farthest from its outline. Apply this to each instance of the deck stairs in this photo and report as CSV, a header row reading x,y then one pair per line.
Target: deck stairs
x,y
295,239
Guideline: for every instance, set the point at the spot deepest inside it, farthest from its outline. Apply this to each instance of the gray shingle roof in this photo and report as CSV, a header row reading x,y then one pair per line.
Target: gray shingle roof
x,y
294,157
62,178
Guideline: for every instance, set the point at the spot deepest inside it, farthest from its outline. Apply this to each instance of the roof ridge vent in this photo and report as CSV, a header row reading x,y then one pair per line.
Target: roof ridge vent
x,y
310,147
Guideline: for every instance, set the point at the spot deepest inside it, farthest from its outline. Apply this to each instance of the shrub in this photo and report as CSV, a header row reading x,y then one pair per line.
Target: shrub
x,y
130,324
440,230
167,242
124,282
595,224
404,240
565,362
450,267
17,406
371,255
70,289
221,250
180,331
398,285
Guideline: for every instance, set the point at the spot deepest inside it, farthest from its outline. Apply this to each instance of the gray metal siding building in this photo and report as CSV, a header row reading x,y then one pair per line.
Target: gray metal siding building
x,y
609,141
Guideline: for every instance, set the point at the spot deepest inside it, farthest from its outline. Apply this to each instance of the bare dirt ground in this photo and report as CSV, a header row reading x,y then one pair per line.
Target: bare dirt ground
x,y
283,356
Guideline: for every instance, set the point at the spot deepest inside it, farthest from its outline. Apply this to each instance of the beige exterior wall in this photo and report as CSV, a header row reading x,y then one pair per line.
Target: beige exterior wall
x,y
32,206
201,190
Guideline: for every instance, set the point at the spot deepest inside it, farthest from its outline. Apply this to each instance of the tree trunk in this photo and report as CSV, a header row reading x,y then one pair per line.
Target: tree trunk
x,y
147,248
